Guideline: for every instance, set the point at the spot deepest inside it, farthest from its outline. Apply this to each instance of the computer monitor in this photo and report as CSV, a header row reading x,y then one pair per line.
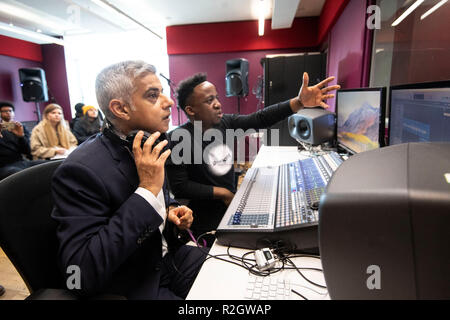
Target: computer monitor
x,y
419,112
360,117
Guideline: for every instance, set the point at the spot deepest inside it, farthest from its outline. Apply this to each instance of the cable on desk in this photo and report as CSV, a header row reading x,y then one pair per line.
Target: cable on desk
x,y
299,294
303,276
215,256
283,256
324,294
304,256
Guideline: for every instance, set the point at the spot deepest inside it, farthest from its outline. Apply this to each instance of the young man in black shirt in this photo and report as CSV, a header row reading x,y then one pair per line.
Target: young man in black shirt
x,y
206,176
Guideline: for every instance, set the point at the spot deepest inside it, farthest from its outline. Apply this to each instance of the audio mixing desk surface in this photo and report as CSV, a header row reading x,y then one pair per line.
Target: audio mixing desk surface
x,y
277,201
219,280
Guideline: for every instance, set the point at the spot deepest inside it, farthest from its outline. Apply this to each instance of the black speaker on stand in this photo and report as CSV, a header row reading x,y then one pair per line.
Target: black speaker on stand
x,y
236,79
34,86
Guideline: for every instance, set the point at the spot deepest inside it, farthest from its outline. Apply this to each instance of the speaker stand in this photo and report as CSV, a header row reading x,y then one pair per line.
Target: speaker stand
x,y
239,105
38,111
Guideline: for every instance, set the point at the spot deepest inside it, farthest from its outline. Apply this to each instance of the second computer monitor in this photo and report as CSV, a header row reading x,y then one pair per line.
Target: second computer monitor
x,y
420,113
360,116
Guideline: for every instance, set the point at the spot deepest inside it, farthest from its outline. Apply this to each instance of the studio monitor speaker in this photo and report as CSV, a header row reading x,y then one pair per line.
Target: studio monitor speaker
x,y
312,126
33,84
236,79
384,224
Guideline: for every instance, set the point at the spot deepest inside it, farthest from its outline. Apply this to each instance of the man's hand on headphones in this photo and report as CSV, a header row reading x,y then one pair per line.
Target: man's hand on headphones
x,y
150,162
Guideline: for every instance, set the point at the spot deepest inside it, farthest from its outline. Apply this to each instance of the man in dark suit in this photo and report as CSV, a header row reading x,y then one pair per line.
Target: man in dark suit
x,y
116,221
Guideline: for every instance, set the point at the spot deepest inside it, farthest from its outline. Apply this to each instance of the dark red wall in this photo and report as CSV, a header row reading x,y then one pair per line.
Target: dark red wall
x,y
16,54
183,66
20,49
331,12
239,36
347,45
207,47
10,86
54,64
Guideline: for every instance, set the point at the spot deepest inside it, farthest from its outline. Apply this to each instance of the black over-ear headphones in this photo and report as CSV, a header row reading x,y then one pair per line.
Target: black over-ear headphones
x,y
128,141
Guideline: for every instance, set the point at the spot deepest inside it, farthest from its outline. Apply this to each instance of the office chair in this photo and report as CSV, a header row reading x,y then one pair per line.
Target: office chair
x,y
27,232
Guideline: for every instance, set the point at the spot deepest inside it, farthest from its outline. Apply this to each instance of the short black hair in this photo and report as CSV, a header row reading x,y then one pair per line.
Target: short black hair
x,y
7,104
186,88
79,107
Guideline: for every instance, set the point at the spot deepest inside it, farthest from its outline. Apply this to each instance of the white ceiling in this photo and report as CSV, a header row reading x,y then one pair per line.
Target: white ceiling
x,y
68,17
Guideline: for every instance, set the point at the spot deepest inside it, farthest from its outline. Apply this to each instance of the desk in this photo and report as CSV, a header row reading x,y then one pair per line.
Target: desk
x,y
220,280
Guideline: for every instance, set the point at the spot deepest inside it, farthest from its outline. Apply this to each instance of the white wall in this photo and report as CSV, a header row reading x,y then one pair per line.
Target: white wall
x,y
87,55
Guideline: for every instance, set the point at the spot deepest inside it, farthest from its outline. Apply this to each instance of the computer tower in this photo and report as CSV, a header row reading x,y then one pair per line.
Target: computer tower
x,y
282,81
384,224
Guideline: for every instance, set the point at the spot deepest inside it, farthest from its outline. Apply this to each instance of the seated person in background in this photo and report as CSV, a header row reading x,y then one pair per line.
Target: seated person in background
x,y
116,219
51,137
88,125
78,114
210,188
14,143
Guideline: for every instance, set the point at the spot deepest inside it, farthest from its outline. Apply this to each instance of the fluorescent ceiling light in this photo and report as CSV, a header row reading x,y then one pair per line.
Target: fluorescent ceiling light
x,y
105,4
407,12
437,6
262,8
261,22
28,35
447,177
21,11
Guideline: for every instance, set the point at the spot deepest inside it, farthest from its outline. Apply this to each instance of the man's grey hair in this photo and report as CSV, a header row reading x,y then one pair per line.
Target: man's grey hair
x,y
118,82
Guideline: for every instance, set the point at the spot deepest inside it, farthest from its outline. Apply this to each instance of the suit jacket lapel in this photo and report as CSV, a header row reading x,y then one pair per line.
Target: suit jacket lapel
x,y
125,160
127,167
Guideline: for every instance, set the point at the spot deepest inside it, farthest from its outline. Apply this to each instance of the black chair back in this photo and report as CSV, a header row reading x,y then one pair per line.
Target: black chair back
x,y
27,232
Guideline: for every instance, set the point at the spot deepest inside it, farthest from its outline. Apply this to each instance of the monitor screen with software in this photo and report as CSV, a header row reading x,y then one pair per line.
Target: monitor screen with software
x,y
419,113
360,119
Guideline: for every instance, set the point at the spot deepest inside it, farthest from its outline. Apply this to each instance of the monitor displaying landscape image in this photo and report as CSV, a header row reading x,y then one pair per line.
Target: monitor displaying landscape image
x,y
360,119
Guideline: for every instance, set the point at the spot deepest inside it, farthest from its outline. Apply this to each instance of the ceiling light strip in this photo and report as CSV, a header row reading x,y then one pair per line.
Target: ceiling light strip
x,y
407,12
437,6
35,35
129,17
261,17
261,22
29,14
